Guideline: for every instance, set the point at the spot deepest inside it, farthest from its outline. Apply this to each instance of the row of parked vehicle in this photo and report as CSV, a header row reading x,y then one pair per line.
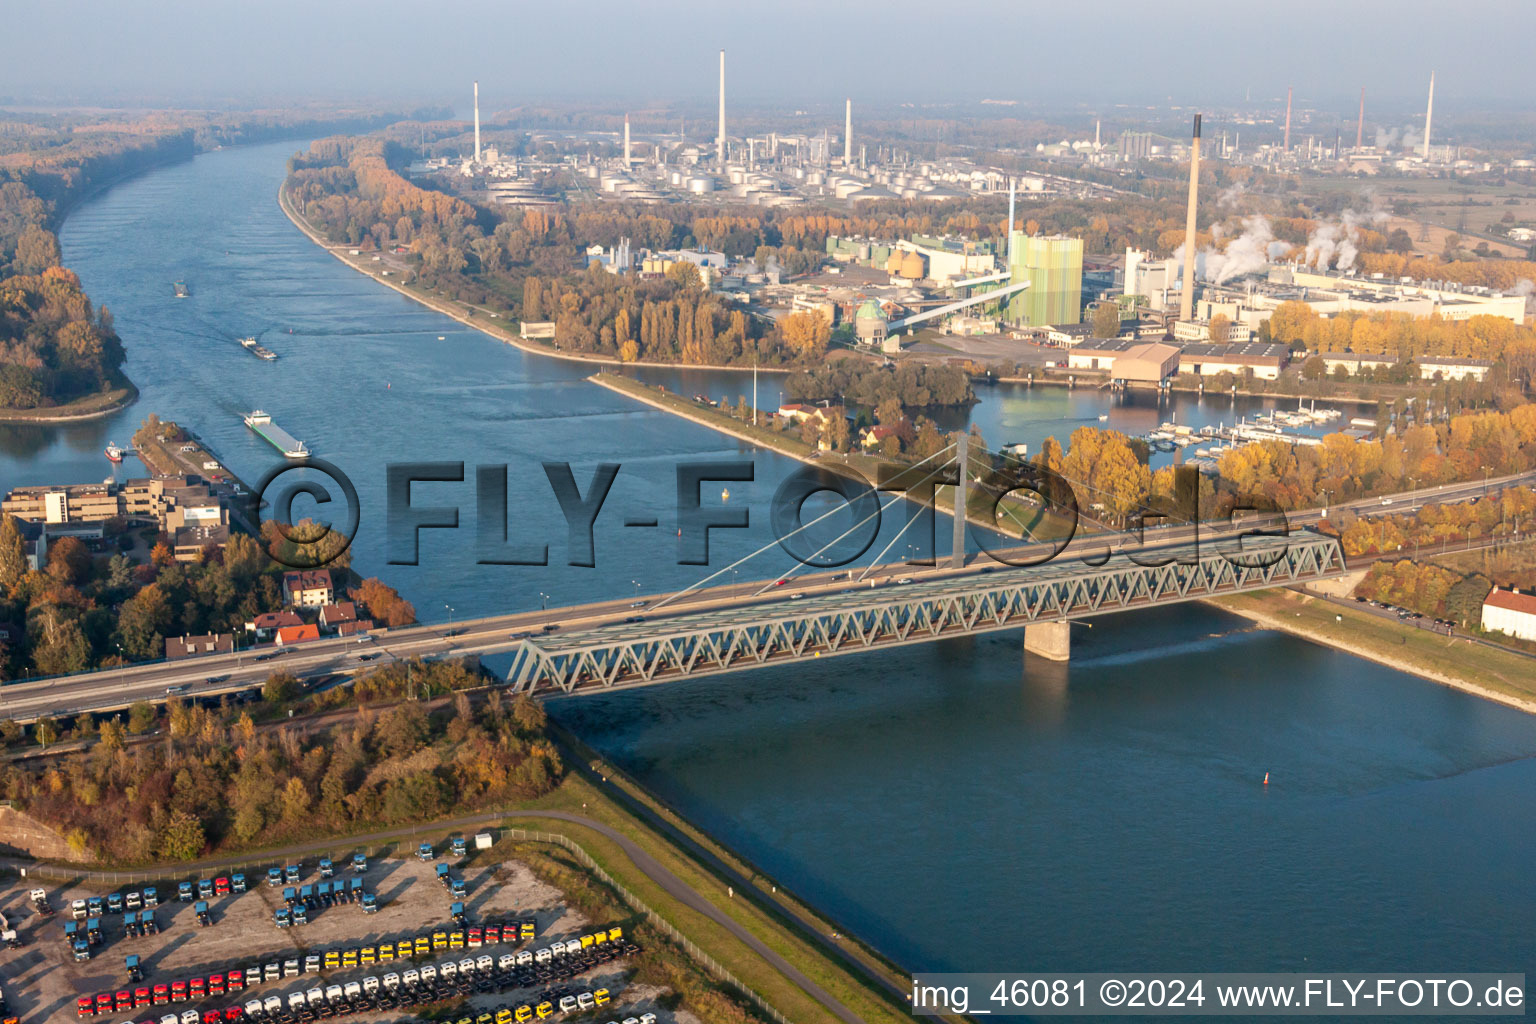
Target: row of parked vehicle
x,y
149,897
292,874
437,982
237,979
412,987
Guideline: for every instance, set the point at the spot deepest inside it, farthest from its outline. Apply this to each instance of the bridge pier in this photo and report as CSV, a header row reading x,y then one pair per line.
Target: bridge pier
x,y
1051,640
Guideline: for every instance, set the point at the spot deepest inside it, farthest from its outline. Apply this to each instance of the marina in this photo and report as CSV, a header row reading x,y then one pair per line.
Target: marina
x,y
1216,439
276,436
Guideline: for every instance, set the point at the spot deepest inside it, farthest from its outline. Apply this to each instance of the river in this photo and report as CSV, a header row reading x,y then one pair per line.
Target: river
x,y
957,805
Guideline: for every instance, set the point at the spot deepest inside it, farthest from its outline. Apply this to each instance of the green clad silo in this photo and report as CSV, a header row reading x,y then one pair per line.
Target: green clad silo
x,y
1053,266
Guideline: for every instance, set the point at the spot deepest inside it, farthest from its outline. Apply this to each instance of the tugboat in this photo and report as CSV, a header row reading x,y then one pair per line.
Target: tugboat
x,y
182,291
113,452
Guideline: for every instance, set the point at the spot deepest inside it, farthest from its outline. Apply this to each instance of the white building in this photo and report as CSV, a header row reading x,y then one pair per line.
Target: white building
x,y
1509,611
1450,368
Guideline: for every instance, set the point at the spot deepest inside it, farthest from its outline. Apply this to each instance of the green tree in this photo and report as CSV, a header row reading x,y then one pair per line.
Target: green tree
x,y
279,688
13,554
1106,320
182,837
141,717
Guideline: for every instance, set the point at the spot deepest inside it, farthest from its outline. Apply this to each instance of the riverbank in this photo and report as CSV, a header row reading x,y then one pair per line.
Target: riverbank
x,y
91,407
1483,671
465,313
865,467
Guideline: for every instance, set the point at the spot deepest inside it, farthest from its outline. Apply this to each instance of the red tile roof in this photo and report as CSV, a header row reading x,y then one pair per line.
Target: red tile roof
x,y
298,634
1512,600
276,620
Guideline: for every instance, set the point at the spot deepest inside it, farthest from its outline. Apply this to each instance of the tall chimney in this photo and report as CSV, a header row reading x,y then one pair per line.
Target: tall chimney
x,y
477,122
1288,119
1360,125
1011,189
1096,125
848,133
626,141
1429,113
1187,296
720,138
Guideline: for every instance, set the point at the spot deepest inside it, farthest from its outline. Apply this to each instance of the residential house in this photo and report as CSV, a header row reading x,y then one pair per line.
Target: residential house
x,y
268,623
1509,611
297,634
207,643
308,588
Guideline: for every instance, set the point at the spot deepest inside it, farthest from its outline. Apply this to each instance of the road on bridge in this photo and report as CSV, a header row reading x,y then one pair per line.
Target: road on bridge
x,y
214,675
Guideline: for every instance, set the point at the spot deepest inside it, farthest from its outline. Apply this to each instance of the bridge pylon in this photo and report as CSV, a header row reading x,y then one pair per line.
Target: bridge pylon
x,y
962,492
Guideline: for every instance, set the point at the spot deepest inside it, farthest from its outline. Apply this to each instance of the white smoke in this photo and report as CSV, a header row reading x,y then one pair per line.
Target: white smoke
x,y
1336,243
1412,140
1387,139
1245,254
1232,196
1524,287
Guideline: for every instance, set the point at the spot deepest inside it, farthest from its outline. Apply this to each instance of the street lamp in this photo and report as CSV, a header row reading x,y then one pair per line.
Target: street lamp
x,y
1485,481
122,667
543,601
637,589
450,615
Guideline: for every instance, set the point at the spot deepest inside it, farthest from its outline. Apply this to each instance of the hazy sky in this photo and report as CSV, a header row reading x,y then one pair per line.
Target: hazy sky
x,y
1145,52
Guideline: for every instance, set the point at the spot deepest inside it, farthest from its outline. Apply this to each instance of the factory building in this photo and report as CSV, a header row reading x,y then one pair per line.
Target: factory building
x,y
1053,266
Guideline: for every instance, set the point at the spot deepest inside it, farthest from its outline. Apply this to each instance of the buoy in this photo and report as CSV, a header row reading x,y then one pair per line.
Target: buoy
x,y
1266,778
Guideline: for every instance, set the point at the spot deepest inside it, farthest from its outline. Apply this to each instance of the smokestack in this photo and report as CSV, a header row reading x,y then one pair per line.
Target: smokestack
x,y
1011,190
626,140
720,138
1096,124
477,122
1429,113
1187,296
1360,124
1287,119
848,133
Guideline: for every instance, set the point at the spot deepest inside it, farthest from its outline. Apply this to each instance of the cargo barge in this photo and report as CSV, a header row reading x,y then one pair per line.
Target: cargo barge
x,y
257,350
276,436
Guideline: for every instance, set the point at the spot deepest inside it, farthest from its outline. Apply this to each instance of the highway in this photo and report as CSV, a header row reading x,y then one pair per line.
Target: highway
x,y
215,675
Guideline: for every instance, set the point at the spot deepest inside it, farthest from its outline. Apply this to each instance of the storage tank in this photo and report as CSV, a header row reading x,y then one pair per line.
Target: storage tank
x,y
701,185
676,178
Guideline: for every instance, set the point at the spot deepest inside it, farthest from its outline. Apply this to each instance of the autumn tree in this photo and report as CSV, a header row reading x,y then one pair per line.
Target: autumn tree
x,y
806,333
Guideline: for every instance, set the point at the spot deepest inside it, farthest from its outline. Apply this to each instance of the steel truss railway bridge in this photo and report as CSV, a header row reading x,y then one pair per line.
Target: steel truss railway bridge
x,y
1042,599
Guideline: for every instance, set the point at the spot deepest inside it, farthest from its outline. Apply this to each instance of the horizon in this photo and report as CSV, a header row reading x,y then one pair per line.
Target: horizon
x,y
804,54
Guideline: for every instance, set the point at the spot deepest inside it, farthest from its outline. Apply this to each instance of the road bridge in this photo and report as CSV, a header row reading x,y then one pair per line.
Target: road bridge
x,y
1042,599
898,613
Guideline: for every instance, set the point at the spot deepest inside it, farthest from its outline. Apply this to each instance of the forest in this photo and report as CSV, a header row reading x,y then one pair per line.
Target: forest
x,y
236,777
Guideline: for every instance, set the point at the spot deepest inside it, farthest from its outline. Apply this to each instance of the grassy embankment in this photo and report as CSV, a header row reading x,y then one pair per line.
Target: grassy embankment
x,y
578,796
86,407
1457,662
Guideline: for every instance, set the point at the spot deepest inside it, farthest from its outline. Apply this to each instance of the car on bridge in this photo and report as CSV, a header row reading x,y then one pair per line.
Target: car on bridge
x,y
178,688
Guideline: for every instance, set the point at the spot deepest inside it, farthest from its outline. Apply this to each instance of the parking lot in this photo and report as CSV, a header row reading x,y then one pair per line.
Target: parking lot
x,y
42,981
